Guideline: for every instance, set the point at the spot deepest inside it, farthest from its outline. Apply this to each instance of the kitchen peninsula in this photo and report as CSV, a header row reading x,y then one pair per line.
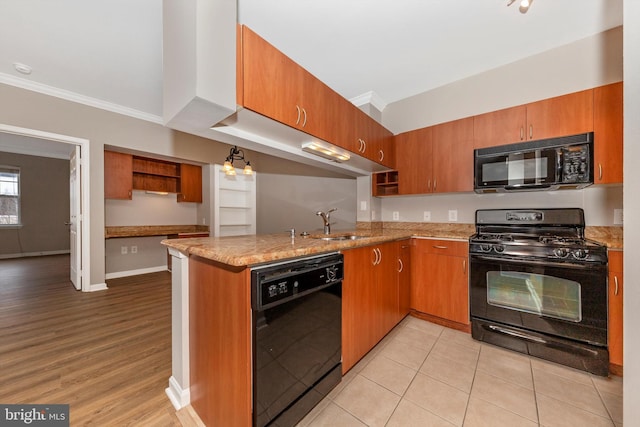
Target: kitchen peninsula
x,y
211,305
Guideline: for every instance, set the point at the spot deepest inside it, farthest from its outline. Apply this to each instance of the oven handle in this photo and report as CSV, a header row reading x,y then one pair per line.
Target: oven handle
x,y
516,334
533,262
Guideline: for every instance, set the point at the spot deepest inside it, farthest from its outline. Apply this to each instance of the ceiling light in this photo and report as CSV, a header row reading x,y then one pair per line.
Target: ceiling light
x,y
22,68
236,154
524,5
326,150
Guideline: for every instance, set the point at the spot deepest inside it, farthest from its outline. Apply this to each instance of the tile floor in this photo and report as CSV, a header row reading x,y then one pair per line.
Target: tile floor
x,y
424,374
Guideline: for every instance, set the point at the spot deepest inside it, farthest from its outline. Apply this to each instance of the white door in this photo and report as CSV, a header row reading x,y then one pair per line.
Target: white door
x,y
75,218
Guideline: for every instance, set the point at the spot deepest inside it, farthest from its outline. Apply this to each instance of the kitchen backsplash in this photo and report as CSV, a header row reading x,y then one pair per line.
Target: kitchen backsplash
x,y
598,202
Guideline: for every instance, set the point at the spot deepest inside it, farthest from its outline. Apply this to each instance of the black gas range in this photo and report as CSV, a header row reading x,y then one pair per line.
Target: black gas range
x,y
539,287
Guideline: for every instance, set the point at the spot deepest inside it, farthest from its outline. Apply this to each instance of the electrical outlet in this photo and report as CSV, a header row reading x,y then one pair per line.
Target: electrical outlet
x,y
396,215
363,205
453,215
427,216
204,221
618,216
134,249
123,250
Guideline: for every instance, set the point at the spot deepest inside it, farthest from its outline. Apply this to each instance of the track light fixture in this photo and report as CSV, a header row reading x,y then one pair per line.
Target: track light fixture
x,y
524,5
236,154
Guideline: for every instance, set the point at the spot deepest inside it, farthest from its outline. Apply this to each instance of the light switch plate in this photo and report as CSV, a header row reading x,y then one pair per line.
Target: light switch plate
x,y
134,249
618,216
396,215
363,205
427,216
123,250
453,215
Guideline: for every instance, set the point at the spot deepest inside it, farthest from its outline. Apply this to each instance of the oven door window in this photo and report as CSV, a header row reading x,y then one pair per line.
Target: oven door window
x,y
535,293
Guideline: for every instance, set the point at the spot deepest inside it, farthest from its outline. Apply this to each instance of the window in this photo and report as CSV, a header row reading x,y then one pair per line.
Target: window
x,y
9,196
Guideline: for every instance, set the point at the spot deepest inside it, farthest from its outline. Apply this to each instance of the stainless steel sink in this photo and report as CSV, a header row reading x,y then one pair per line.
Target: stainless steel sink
x,y
338,237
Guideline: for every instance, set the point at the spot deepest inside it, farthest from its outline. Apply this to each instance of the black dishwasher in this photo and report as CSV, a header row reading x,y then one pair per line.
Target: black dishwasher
x,y
297,334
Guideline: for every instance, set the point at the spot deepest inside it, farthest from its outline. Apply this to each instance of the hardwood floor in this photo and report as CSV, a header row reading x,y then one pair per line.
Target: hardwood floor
x,y
107,354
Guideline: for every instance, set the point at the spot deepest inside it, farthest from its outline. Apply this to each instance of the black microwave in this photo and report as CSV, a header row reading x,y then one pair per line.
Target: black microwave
x,y
546,164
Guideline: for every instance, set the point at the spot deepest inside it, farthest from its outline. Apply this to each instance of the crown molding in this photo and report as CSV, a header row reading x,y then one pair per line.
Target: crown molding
x,y
369,98
77,98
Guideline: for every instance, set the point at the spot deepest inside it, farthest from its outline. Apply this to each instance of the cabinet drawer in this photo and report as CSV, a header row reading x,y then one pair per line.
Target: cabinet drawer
x,y
615,261
443,247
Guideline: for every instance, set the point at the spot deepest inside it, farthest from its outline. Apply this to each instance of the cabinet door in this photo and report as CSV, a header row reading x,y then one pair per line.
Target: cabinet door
x,y
358,305
190,183
386,278
382,141
404,279
453,156
607,127
616,293
413,161
439,281
271,81
118,175
560,116
499,127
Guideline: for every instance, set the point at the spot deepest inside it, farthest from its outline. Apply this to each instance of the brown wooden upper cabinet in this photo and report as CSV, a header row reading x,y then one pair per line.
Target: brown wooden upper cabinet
x,y
413,161
607,127
559,116
453,156
271,84
118,175
190,183
124,173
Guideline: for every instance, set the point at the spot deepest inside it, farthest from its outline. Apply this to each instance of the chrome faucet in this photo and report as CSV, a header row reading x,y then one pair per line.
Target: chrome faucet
x,y
326,218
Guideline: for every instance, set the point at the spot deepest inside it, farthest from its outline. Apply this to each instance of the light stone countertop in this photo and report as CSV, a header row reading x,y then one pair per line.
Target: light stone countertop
x,y
250,250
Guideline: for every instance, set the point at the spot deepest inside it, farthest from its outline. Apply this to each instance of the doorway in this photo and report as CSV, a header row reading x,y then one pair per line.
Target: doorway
x,y
40,143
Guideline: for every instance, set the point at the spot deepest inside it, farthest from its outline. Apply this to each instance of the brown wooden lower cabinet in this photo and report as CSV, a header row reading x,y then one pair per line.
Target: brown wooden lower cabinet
x,y
370,298
220,343
439,279
616,292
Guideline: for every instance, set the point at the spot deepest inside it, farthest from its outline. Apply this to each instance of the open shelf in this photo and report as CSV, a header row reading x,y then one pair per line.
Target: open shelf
x,y
385,184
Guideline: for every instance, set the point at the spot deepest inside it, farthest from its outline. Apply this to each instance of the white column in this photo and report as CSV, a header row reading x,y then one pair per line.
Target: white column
x,y
178,390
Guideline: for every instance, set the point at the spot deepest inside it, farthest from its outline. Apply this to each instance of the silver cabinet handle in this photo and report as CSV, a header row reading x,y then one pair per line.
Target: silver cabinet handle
x,y
364,145
435,182
68,223
400,266
521,133
600,171
379,255
381,155
440,247
530,131
464,266
429,184
304,122
299,113
615,279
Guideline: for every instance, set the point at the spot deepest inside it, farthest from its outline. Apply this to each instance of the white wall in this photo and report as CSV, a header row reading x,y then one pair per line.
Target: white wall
x,y
143,209
597,201
290,201
587,63
632,211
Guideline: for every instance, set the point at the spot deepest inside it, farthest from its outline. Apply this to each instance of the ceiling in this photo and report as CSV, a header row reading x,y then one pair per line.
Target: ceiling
x,y
109,53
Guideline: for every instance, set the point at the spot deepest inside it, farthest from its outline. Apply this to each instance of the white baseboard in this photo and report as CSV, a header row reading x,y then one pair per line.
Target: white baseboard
x,y
178,397
31,254
118,274
97,287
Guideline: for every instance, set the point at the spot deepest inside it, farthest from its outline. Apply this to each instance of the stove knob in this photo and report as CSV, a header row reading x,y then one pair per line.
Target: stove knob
x,y
580,254
485,248
561,252
499,248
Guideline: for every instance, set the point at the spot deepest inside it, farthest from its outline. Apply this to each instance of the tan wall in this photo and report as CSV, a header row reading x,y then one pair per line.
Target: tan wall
x,y
44,203
32,110
587,63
